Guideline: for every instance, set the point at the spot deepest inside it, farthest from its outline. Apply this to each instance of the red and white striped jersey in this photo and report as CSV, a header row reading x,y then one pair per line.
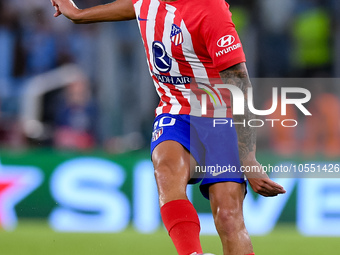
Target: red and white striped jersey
x,y
187,43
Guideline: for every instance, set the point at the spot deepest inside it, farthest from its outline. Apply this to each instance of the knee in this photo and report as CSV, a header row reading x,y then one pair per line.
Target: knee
x,y
229,221
163,172
169,168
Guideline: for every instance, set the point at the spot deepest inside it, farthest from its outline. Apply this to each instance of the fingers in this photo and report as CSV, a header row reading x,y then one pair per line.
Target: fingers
x,y
266,191
57,13
275,186
270,191
266,187
56,7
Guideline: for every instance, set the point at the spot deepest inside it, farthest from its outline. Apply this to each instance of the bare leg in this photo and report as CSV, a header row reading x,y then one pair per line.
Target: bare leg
x,y
228,216
172,170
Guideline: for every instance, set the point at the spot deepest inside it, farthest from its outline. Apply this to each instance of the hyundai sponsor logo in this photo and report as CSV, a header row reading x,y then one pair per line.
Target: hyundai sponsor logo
x,y
225,41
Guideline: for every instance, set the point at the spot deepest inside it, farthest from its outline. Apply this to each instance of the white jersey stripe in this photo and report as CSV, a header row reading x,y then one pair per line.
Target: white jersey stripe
x,y
190,56
160,84
150,37
137,7
150,25
199,70
169,20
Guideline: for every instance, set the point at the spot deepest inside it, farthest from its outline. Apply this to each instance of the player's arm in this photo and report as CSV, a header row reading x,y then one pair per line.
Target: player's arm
x,y
246,135
115,11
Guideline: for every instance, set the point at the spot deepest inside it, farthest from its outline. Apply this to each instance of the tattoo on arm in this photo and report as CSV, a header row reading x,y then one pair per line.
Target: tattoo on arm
x,y
237,75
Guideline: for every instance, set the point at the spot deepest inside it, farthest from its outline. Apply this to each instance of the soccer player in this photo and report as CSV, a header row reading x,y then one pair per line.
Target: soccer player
x,y
188,44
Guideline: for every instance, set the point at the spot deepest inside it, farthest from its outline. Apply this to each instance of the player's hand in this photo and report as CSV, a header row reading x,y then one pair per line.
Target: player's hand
x,y
56,7
65,7
260,182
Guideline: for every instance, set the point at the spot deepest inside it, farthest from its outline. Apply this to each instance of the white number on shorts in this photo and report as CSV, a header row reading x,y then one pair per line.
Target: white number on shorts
x,y
171,123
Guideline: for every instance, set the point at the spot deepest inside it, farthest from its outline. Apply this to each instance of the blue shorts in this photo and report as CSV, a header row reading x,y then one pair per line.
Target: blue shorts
x,y
212,142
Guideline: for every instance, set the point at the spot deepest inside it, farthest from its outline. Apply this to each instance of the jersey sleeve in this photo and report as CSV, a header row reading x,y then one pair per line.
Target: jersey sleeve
x,y
220,36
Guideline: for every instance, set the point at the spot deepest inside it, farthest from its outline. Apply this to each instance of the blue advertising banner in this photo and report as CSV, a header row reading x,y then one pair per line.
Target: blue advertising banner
x,y
98,192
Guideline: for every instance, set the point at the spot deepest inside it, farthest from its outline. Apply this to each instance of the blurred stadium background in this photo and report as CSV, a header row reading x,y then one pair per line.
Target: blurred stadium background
x,y
76,107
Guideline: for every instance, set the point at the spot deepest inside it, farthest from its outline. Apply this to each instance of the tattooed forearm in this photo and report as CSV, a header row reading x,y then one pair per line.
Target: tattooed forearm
x,y
238,76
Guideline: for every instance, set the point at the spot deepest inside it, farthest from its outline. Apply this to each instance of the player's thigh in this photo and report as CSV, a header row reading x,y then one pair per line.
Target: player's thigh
x,y
172,163
226,200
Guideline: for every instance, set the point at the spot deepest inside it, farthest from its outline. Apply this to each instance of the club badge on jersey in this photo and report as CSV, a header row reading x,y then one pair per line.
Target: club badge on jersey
x,y
156,134
176,35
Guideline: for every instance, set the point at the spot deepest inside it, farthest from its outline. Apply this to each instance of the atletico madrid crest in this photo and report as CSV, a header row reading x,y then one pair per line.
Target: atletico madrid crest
x,y
156,134
176,35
